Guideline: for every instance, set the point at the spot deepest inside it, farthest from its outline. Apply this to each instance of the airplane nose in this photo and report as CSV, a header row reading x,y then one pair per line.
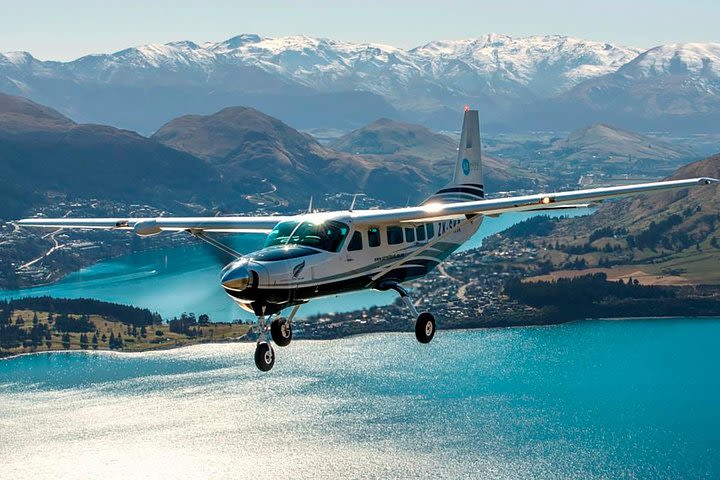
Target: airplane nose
x,y
235,277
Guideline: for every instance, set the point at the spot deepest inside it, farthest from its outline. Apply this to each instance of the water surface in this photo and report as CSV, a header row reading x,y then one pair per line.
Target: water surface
x,y
600,399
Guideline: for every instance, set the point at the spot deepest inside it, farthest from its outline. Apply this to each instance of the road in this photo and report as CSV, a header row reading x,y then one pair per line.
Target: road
x,y
56,246
462,291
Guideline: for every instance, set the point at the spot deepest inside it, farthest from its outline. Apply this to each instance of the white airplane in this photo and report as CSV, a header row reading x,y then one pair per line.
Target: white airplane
x,y
319,254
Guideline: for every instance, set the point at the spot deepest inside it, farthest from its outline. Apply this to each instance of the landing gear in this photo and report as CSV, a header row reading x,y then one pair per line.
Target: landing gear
x,y
281,334
424,322
264,356
425,327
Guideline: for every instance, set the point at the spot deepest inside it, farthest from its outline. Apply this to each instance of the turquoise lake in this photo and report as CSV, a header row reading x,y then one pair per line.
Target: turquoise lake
x,y
186,279
588,400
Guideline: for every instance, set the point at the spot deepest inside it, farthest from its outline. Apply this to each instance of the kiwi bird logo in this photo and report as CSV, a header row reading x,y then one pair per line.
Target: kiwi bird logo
x,y
466,166
297,269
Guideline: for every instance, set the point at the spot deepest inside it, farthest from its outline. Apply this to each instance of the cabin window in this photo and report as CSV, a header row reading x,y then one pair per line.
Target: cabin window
x,y
355,242
394,235
420,231
409,235
430,230
374,237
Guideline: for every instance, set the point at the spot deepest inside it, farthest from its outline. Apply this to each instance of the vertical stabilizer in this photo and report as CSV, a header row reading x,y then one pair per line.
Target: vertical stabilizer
x,y
467,179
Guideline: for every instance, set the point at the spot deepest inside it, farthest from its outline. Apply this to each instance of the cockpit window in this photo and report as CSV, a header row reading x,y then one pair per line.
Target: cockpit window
x,y
328,235
280,234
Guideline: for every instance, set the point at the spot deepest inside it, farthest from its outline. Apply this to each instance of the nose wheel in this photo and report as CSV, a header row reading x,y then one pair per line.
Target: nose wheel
x,y
281,334
264,356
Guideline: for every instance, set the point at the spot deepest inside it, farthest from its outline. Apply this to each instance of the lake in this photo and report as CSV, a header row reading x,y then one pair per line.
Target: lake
x,y
590,400
186,279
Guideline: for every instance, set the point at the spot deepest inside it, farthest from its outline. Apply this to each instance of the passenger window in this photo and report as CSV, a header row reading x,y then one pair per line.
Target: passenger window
x,y
355,242
430,230
409,235
394,235
420,233
374,237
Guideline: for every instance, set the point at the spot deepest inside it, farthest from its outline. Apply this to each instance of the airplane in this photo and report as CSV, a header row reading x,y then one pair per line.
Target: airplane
x,y
318,254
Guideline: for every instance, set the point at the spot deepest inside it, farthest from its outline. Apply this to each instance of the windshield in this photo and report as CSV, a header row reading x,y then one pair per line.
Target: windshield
x,y
327,235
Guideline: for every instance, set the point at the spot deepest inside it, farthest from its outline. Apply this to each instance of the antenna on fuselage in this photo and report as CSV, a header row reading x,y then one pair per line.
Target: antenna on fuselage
x,y
310,205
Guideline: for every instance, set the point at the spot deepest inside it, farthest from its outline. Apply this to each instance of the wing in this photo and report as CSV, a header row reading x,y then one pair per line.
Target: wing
x,y
497,206
151,226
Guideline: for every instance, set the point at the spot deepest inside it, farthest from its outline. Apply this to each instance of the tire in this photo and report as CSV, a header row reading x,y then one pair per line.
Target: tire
x,y
264,357
425,327
281,332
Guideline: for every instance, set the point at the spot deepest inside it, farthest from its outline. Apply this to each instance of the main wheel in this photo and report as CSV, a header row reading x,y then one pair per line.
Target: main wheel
x,y
281,332
264,356
425,327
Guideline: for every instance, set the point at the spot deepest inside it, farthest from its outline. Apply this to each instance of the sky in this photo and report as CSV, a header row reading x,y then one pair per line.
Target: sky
x,y
64,30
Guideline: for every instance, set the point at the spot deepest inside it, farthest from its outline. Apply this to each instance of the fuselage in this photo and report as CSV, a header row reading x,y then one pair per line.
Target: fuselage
x,y
322,254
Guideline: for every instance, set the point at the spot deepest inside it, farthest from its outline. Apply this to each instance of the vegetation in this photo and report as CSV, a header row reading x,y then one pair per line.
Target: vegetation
x,y
85,306
593,296
55,324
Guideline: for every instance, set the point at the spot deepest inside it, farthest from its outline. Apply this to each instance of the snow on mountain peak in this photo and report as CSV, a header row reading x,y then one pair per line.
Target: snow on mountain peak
x,y
701,59
16,59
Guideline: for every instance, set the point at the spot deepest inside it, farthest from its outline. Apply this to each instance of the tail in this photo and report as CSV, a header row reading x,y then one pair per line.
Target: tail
x,y
467,181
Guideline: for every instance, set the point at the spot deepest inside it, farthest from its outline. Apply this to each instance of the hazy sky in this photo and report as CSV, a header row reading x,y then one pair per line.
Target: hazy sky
x,y
52,29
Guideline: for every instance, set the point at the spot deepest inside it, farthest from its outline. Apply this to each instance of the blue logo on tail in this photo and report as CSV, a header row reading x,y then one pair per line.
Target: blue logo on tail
x,y
466,166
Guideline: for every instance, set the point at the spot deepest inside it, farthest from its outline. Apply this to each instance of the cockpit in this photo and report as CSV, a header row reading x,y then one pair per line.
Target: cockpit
x,y
328,235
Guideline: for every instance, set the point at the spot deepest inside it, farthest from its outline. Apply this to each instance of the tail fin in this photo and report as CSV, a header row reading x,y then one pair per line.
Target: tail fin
x,y
467,181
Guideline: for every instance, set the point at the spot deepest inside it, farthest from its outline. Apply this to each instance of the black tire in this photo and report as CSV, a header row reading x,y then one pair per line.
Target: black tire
x,y
264,357
281,332
425,327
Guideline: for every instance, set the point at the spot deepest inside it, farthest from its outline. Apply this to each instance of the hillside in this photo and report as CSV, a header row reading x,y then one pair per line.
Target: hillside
x,y
665,238
398,143
614,150
248,148
44,153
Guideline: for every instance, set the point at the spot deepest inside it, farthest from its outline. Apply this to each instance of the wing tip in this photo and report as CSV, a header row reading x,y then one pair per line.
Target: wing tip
x,y
708,180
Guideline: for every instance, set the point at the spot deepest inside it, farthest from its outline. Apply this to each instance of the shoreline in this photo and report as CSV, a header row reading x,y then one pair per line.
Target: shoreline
x,y
244,340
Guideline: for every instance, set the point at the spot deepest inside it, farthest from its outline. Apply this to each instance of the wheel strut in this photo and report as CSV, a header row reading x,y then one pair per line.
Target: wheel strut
x,y
424,322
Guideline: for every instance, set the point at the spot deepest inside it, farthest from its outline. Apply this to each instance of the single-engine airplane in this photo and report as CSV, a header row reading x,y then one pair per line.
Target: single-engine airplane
x,y
319,254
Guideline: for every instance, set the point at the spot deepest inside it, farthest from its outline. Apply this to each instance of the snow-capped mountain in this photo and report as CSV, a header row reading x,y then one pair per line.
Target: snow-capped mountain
x,y
698,59
287,76
670,87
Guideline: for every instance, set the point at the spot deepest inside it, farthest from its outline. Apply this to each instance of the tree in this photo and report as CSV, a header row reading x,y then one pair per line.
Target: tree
x,y
111,342
143,331
204,319
84,344
95,341
66,341
35,319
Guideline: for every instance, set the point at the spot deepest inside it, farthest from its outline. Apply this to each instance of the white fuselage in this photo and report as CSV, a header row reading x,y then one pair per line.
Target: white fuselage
x,y
295,268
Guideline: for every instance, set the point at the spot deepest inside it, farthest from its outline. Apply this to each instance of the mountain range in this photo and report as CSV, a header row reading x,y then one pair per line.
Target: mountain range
x,y
222,162
538,82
